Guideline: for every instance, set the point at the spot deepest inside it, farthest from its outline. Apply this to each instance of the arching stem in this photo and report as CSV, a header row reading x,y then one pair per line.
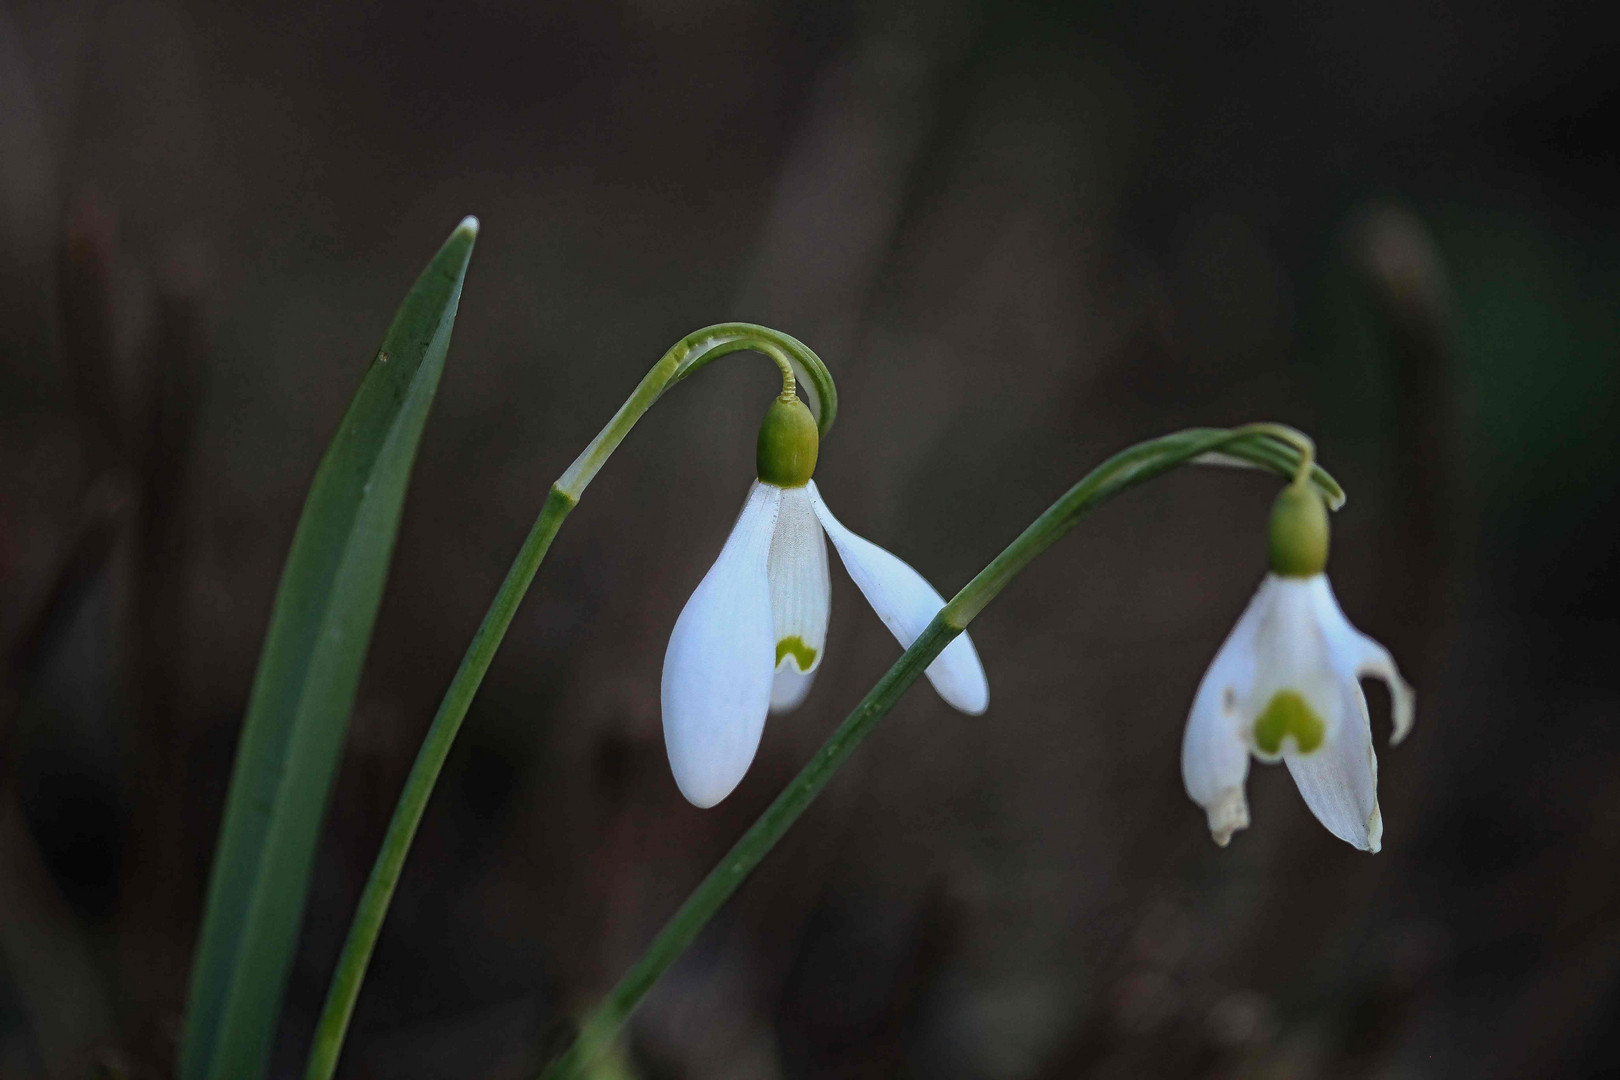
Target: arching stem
x,y
688,355
1269,446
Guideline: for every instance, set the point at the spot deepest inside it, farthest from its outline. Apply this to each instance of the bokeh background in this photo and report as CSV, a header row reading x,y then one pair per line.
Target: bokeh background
x,y
1022,236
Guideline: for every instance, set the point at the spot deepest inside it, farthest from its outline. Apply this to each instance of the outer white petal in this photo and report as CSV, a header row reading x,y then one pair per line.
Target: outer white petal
x,y
717,669
789,688
801,590
1339,781
1214,748
1355,655
907,603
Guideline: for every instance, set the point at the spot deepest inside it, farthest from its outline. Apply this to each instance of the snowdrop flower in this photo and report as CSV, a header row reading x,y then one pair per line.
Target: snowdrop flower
x,y
750,639
1285,686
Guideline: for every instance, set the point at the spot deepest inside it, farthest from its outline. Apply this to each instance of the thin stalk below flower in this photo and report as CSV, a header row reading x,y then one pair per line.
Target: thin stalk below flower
x,y
1274,447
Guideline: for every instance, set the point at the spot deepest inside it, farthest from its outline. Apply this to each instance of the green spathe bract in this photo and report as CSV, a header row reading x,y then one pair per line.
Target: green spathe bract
x,y
304,689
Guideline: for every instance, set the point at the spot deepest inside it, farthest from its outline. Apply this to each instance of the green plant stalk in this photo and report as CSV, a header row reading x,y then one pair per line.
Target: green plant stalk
x,y
1268,446
798,364
373,909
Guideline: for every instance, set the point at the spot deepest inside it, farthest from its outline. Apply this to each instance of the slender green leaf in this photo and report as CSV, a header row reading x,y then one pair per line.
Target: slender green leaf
x,y
688,355
308,672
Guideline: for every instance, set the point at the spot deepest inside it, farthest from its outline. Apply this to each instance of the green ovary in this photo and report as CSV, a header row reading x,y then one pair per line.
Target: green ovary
x,y
794,646
788,443
1286,714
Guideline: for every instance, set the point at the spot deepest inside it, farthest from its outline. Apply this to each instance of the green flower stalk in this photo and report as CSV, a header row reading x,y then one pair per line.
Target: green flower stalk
x,y
1268,446
798,364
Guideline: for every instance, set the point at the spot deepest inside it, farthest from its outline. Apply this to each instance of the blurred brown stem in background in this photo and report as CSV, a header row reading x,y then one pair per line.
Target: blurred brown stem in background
x,y
45,946
136,459
158,874
1405,279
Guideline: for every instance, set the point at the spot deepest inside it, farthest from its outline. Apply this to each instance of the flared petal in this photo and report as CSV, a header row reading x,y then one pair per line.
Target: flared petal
x,y
1354,655
1339,780
1214,749
907,603
789,688
801,590
717,670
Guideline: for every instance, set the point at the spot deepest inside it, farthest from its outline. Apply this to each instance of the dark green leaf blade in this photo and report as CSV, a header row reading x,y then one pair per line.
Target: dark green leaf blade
x,y
304,690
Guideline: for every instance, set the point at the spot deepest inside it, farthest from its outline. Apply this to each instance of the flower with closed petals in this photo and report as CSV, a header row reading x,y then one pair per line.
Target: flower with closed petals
x,y
752,635
1285,686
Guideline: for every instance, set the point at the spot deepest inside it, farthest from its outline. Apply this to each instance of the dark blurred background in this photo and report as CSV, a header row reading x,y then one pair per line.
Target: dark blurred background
x,y
1022,237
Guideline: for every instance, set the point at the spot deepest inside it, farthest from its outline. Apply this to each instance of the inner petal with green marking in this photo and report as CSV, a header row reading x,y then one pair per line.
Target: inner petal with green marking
x,y
1287,714
794,646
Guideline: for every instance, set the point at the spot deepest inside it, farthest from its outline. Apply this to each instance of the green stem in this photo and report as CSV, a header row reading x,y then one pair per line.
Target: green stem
x,y
687,356
368,918
695,351
1268,446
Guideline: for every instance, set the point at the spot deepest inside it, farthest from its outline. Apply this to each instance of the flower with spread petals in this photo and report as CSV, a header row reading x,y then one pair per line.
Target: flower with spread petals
x,y
1285,686
752,635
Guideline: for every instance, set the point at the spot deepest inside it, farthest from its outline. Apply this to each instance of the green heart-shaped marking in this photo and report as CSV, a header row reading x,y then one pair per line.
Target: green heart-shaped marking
x,y
1286,714
802,654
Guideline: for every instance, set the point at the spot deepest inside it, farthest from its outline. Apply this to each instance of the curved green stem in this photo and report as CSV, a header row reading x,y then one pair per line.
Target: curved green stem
x,y
691,353
1271,450
1267,446
687,356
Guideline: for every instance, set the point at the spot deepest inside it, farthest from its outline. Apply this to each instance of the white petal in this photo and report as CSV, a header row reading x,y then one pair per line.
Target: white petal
x,y
801,590
907,603
789,688
1339,780
1355,656
1214,750
717,669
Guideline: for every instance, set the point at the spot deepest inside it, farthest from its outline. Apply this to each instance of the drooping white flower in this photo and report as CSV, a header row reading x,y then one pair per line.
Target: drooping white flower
x,y
752,636
1285,686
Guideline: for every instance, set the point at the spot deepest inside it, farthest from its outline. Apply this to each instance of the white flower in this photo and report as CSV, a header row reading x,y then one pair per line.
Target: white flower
x,y
1285,685
751,637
